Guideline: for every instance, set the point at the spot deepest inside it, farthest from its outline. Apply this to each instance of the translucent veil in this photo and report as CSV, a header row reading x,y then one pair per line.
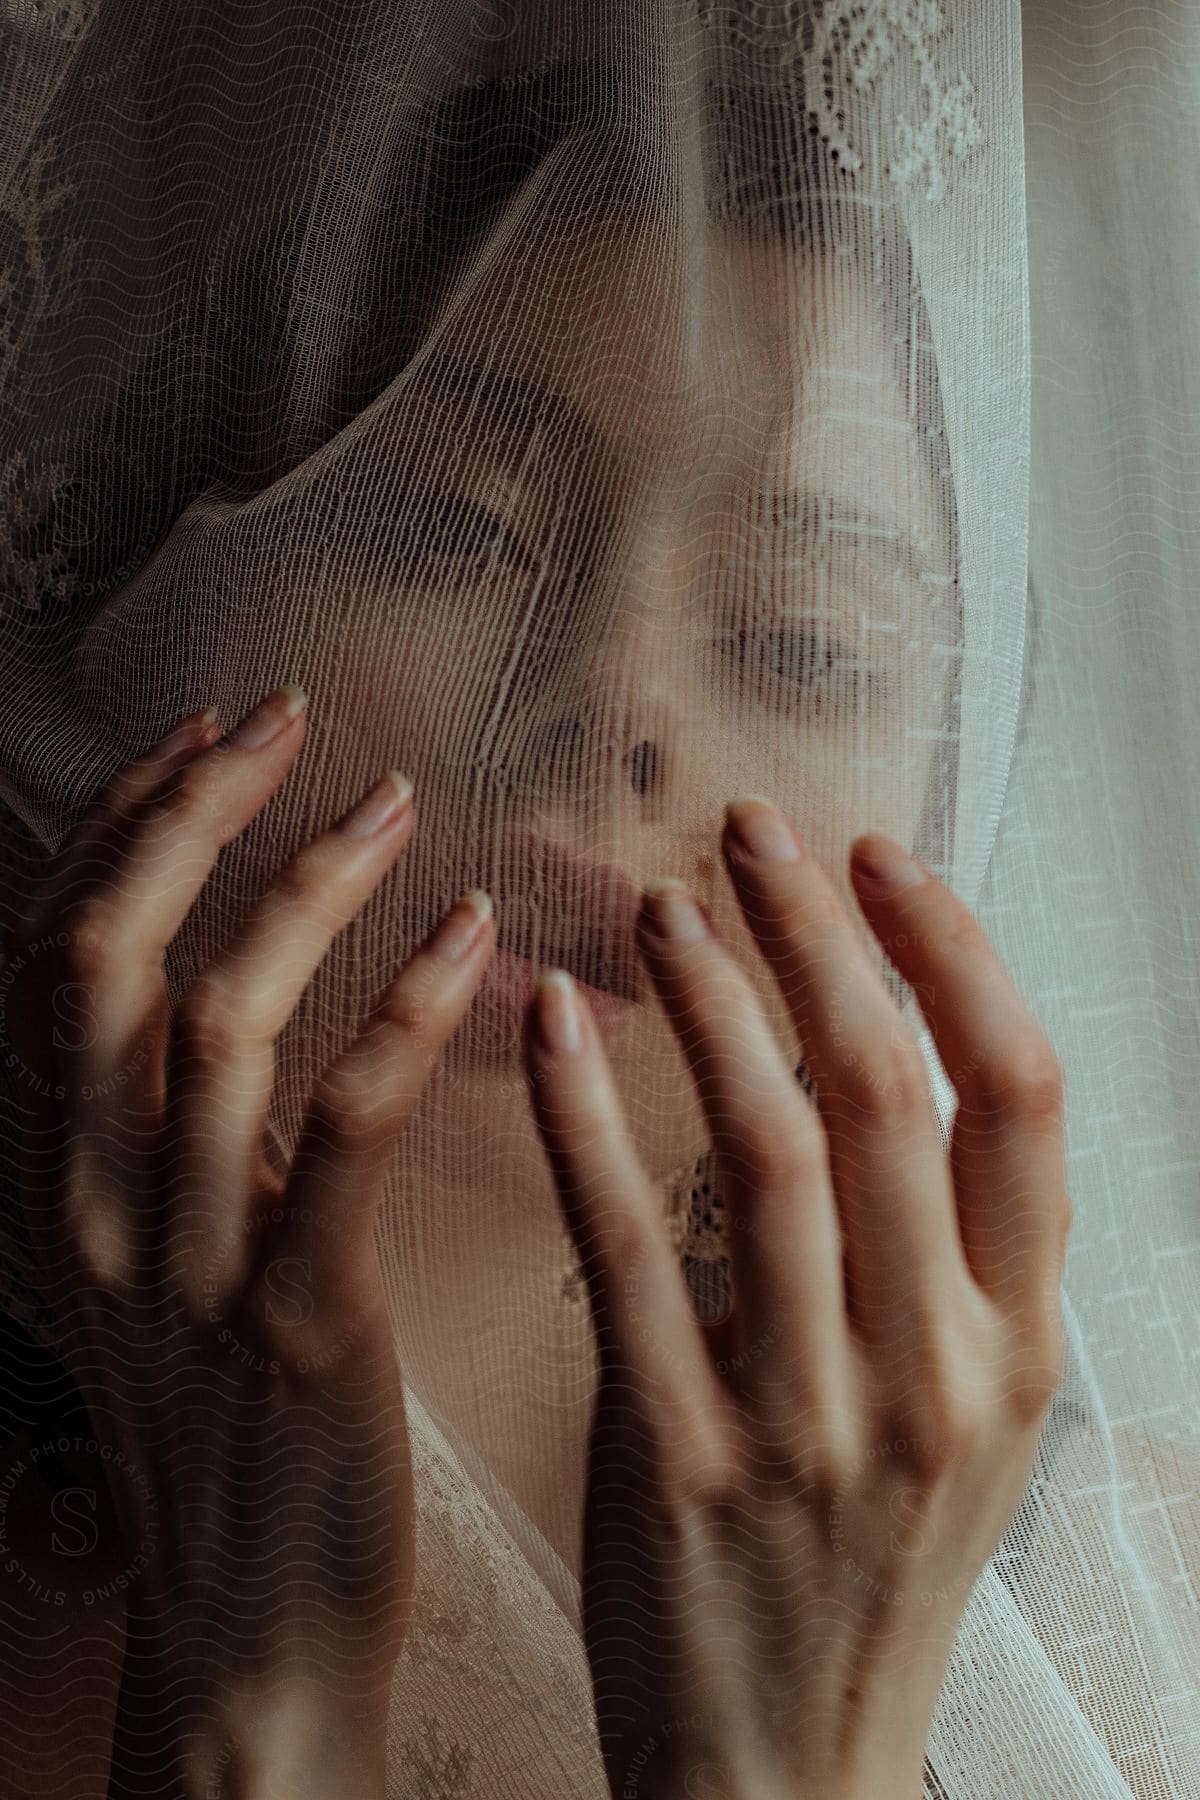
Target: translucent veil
x,y
601,411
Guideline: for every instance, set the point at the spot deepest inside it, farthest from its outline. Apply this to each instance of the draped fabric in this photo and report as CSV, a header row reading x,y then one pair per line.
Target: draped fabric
x,y
602,411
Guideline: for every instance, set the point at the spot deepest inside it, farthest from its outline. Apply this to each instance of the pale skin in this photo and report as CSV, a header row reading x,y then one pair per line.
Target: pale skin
x,y
692,426
892,1349
205,1087
925,1374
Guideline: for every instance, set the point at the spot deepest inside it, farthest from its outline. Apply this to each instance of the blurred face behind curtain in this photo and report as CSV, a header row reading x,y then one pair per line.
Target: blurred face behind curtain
x,y
625,541
512,376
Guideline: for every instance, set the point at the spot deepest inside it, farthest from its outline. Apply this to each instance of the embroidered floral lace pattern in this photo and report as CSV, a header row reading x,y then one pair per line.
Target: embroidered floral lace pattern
x,y
66,20
836,53
37,267
463,1706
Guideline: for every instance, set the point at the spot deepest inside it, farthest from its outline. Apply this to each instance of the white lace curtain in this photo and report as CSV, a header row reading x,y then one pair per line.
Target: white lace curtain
x,y
230,230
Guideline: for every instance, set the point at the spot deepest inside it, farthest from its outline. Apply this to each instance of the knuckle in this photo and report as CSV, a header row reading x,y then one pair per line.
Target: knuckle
x,y
833,1456
779,1161
197,788
626,1240
1039,1360
930,1451
1036,1372
705,1473
1034,1386
307,876
616,1255
121,790
354,1108
940,1432
317,1348
194,800
961,933
91,953
310,1319
279,1312
412,1005
891,1086
101,1250
295,883
208,1021
182,791
1031,1086
1036,1292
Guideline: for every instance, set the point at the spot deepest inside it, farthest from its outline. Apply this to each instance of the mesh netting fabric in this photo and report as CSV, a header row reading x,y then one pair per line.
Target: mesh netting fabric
x,y
602,411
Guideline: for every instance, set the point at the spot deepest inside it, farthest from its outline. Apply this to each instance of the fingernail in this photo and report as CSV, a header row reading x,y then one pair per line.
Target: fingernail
x,y
558,1018
882,868
379,806
195,732
269,719
670,912
461,926
759,830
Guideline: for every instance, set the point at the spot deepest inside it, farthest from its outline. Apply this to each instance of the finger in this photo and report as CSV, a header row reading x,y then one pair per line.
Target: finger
x,y
362,1104
55,1012
122,928
646,1334
1007,1147
789,1315
222,1064
86,855
890,1176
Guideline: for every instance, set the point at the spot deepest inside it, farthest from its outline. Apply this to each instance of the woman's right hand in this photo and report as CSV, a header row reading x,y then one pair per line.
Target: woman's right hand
x,y
226,1326
788,1509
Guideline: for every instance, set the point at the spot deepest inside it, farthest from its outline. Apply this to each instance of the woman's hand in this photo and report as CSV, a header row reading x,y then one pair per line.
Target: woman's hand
x,y
787,1512
225,1323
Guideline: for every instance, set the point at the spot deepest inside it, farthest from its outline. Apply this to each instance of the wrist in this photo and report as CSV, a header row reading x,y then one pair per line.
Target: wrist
x,y
712,1775
183,1727
712,1781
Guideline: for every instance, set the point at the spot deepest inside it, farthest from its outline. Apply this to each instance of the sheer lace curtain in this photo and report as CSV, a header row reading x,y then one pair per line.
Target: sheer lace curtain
x,y
233,239
1090,896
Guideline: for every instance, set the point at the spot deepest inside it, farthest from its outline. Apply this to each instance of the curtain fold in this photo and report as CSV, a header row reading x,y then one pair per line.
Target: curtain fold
x,y
521,380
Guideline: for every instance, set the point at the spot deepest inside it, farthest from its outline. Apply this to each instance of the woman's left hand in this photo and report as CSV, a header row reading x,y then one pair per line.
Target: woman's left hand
x,y
786,1513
